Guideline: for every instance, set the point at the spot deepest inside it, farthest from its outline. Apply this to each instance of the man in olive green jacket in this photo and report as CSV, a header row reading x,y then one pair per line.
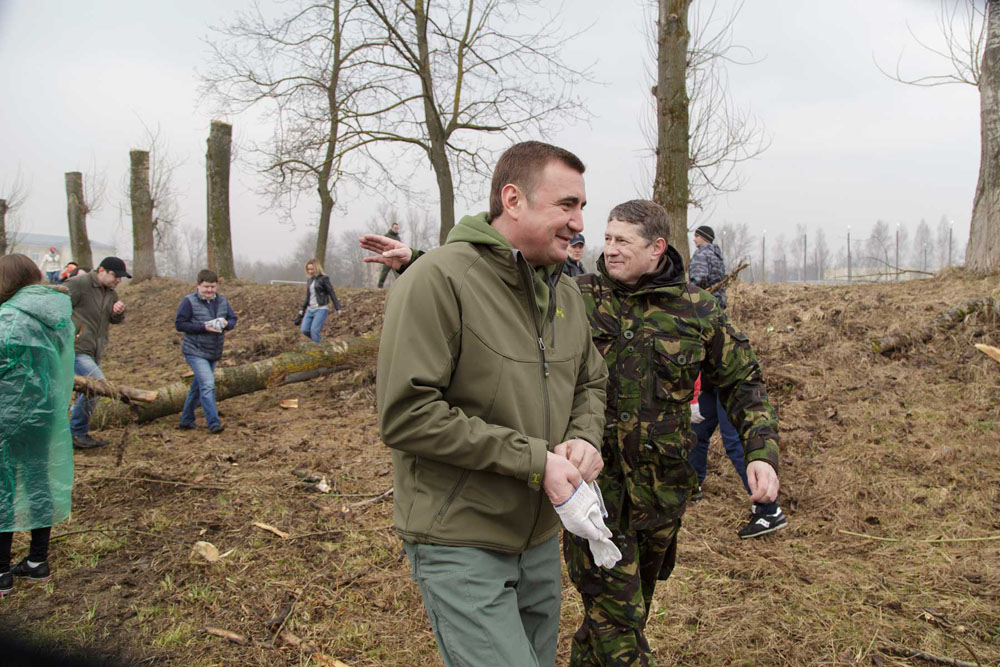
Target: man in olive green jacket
x,y
95,307
490,392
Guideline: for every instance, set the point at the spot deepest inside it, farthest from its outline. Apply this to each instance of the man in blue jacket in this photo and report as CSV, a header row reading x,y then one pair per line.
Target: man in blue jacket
x,y
203,317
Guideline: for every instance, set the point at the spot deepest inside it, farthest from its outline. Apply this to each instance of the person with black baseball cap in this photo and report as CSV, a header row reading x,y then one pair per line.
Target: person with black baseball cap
x,y
95,307
574,256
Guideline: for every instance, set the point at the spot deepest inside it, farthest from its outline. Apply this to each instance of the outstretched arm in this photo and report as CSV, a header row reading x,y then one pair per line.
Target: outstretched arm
x,y
391,253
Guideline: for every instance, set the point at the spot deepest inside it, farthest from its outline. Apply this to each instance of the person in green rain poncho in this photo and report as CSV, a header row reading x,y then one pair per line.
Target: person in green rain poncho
x,y
36,384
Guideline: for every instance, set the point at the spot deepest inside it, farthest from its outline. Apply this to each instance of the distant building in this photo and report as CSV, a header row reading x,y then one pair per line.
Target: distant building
x,y
36,246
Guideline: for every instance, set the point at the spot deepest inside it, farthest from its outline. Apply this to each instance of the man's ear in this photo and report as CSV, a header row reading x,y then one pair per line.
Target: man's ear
x,y
512,200
659,247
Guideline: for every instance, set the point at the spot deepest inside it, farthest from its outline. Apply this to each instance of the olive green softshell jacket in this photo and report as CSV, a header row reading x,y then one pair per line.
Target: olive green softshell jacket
x,y
475,384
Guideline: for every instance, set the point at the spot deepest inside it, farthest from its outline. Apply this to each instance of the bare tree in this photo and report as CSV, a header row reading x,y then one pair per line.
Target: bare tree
x,y
970,30
821,253
922,242
143,246
798,249
219,238
701,136
83,197
469,75
314,74
877,249
12,198
735,241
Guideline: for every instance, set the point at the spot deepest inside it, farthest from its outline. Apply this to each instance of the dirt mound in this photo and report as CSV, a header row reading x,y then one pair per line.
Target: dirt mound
x,y
890,480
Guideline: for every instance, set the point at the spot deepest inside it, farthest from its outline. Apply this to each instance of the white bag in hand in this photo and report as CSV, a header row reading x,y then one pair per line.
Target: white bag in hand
x,y
583,515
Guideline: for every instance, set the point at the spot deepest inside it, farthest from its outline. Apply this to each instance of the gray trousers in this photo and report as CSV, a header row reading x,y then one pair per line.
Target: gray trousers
x,y
489,608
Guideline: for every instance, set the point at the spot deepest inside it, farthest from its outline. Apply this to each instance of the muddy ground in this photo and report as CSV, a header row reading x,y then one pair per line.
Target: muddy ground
x,y
890,480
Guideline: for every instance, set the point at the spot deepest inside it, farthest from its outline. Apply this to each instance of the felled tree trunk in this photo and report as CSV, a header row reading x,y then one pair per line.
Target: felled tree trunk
x,y
219,236
143,256
97,387
76,211
303,363
945,320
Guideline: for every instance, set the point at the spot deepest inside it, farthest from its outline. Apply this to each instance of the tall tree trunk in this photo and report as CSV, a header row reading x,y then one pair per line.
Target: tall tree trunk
x,y
325,213
76,209
437,153
143,255
218,235
3,226
983,252
670,184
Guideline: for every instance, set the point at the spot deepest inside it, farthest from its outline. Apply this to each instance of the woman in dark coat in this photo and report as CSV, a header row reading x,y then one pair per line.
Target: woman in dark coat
x,y
316,306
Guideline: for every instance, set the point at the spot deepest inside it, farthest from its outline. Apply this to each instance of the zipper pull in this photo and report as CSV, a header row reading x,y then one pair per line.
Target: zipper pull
x,y
541,344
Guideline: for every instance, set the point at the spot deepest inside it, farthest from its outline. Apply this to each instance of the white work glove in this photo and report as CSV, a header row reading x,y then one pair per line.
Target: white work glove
x,y
696,417
583,515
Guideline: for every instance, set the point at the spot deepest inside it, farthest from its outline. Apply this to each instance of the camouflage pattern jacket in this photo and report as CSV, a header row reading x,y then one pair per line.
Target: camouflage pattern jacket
x,y
655,338
707,268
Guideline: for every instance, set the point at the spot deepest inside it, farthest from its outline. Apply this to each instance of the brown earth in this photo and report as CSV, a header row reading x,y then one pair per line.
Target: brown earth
x,y
890,480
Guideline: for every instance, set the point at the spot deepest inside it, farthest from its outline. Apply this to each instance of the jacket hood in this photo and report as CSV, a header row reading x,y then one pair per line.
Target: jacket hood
x,y
670,273
477,229
51,308
710,248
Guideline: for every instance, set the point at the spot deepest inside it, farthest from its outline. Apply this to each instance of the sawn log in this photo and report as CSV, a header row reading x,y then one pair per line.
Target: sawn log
x,y
305,362
98,387
946,320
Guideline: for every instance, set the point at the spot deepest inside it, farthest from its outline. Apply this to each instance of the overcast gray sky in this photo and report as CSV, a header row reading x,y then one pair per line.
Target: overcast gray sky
x,y
848,146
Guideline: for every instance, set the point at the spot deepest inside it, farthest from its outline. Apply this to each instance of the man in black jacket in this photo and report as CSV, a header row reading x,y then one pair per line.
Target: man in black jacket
x,y
574,260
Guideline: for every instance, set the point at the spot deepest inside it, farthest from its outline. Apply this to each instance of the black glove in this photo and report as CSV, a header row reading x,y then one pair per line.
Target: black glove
x,y
298,319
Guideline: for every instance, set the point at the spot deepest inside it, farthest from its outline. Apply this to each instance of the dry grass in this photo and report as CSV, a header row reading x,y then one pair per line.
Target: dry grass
x,y
903,449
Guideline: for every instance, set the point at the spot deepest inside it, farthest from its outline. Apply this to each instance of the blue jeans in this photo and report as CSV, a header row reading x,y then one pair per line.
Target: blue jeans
x,y
715,416
202,390
312,322
53,276
79,419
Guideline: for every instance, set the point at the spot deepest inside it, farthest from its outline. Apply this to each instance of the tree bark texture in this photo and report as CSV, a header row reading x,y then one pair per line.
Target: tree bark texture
x,y
983,253
986,306
143,255
670,182
76,211
218,234
303,363
437,134
326,199
3,226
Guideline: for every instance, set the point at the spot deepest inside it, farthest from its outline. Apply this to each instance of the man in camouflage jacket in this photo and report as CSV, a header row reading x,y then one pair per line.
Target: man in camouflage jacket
x,y
656,333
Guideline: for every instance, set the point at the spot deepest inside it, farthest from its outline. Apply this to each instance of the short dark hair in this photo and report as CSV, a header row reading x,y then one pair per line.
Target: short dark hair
x,y
648,215
17,271
522,164
207,276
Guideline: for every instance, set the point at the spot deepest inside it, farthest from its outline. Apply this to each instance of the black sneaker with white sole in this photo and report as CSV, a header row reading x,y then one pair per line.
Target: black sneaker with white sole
x,y
39,572
762,524
6,583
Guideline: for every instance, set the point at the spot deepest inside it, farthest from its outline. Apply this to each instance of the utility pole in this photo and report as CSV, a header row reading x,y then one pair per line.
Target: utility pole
x,y
897,251
805,255
848,254
951,228
763,256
